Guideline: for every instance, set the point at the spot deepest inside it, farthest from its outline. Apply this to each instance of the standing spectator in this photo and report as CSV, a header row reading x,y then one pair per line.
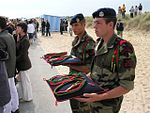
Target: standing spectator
x,y
61,26
7,43
136,10
37,26
120,28
10,27
70,30
131,12
47,25
140,8
31,31
123,10
119,11
23,63
43,25
34,22
65,25
4,86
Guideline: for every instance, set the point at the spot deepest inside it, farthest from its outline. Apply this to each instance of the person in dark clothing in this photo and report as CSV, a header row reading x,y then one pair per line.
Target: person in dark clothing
x,y
23,63
47,28
43,25
140,8
10,28
61,26
4,86
37,26
120,28
7,43
65,25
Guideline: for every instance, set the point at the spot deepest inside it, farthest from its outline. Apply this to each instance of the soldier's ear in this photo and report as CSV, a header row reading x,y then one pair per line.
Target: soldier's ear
x,y
111,24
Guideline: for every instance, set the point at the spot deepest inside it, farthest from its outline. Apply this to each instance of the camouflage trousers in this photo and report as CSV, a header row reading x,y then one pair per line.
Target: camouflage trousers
x,y
106,106
79,107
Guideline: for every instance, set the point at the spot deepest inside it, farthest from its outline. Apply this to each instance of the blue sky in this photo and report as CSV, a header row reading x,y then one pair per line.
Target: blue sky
x,y
35,8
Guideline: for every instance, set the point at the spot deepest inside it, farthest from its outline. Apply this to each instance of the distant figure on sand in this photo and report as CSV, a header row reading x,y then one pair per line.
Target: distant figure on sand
x,y
61,26
131,12
43,25
123,9
136,10
48,28
140,8
120,28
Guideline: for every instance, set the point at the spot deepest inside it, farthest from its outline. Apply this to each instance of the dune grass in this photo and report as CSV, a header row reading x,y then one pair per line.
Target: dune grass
x,y
140,22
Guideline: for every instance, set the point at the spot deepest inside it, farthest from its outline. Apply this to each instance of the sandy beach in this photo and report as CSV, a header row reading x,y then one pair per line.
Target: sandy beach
x,y
137,100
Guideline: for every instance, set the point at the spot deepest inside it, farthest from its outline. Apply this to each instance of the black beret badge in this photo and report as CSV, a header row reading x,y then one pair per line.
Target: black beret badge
x,y
101,14
77,20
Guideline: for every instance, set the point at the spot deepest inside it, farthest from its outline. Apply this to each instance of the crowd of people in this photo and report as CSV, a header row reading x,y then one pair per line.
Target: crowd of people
x,y
63,26
15,39
110,62
133,10
45,27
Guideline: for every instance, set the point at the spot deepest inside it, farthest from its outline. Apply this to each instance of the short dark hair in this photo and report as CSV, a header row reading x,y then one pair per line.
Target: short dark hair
x,y
3,22
114,20
23,26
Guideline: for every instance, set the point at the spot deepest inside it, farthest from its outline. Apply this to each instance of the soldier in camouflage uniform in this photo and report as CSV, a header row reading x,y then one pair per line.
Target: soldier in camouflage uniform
x,y
113,66
82,48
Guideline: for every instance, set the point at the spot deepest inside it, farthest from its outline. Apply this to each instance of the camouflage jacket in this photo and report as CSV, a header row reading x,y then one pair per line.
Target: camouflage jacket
x,y
111,70
83,48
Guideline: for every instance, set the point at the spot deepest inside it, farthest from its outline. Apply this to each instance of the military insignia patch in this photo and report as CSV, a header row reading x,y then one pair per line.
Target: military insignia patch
x,y
78,20
128,63
101,14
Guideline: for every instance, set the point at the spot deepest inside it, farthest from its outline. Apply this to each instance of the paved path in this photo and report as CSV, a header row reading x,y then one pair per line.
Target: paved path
x,y
43,100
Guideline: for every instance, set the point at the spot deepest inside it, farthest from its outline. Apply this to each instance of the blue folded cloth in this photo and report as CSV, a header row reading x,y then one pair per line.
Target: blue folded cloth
x,y
69,60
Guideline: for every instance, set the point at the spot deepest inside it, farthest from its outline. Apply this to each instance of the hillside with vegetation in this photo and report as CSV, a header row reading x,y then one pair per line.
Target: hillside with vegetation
x,y
140,22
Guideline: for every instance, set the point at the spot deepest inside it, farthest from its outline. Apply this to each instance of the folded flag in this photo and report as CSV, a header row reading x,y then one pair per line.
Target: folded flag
x,y
56,59
53,55
65,87
67,60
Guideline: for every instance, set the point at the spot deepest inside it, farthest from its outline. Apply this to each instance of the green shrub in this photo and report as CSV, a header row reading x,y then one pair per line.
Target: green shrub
x,y
89,21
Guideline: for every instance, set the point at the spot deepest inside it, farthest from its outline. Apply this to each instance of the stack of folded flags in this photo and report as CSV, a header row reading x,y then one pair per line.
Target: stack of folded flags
x,y
56,59
65,87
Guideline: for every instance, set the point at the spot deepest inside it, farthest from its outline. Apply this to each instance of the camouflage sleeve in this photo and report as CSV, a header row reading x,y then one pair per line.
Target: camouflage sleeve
x,y
127,64
89,53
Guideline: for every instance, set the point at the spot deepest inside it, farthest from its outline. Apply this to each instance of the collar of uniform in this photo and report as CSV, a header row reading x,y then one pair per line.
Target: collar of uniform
x,y
102,47
82,39
111,41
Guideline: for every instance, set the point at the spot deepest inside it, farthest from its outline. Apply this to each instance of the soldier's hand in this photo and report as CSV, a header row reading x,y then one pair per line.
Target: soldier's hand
x,y
89,97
